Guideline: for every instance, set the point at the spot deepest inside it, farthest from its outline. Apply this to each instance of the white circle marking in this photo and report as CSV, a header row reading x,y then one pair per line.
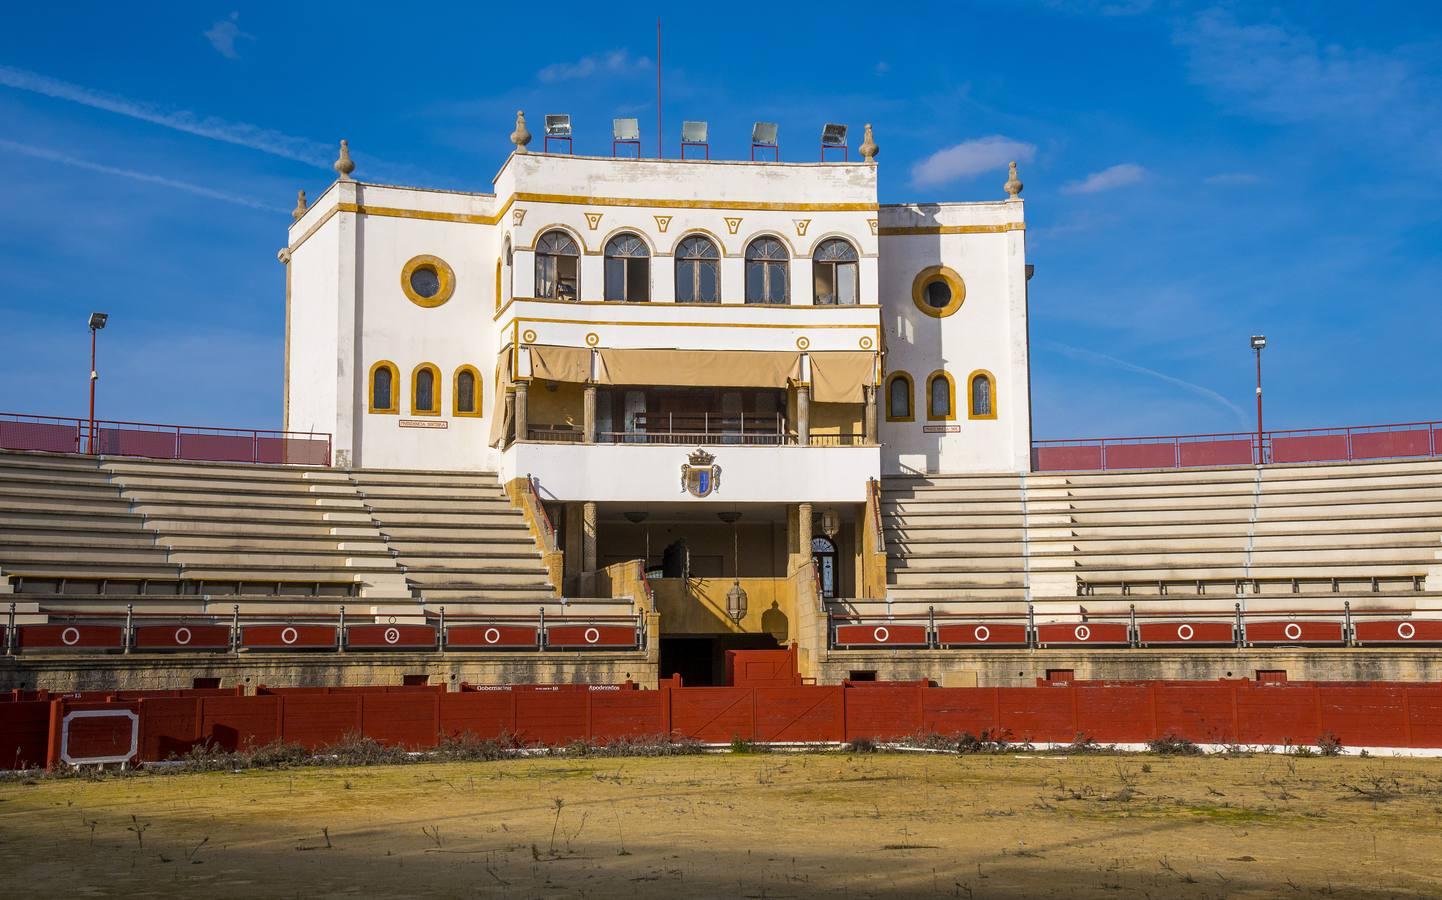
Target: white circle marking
x,y
289,635
492,636
1083,633
182,635
591,635
882,634
70,636
982,633
1185,632
1292,631
1406,631
392,635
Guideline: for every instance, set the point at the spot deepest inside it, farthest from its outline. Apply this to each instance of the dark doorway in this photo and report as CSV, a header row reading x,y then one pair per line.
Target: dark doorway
x,y
701,661
823,553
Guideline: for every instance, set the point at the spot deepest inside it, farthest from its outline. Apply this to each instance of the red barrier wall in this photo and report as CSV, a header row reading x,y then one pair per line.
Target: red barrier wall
x,y
1244,712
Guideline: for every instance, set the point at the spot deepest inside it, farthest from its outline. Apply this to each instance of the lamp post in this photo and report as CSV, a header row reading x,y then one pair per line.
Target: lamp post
x,y
97,322
1259,341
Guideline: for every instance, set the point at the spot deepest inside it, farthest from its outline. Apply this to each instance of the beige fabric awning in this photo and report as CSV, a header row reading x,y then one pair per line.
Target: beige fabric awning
x,y
500,409
570,364
837,376
700,368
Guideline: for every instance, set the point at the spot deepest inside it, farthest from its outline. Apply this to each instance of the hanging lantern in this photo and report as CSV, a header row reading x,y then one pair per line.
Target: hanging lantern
x,y
830,523
736,601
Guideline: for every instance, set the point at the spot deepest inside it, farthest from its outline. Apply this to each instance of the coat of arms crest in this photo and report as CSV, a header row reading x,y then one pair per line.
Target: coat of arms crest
x,y
699,475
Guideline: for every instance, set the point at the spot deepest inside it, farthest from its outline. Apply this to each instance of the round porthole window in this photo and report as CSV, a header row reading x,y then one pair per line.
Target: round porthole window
x,y
938,291
427,281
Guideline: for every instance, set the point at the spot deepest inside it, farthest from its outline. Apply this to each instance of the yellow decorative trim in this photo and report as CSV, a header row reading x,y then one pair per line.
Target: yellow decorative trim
x,y
592,339
593,219
732,224
395,407
938,273
808,326
866,343
697,204
444,274
435,389
477,391
529,336
803,342
662,223
801,226
775,307
981,373
950,414
899,230
498,284
891,415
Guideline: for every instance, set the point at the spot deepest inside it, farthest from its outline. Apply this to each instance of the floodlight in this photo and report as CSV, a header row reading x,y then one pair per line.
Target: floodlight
x,y
98,320
693,132
833,135
558,126
1259,341
764,134
623,129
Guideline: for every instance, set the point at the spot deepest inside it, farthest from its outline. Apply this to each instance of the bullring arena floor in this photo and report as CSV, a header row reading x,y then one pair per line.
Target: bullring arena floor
x,y
757,826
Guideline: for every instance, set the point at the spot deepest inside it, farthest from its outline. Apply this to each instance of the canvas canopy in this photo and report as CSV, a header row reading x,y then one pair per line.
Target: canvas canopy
x,y
570,364
839,376
500,409
700,368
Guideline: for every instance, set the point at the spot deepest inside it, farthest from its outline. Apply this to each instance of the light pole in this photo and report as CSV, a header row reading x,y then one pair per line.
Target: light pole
x,y
97,322
1259,341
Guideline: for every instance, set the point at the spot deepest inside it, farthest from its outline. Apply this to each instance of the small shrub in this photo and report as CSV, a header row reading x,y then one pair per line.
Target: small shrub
x,y
1171,745
466,747
741,746
1329,745
1084,745
359,750
862,745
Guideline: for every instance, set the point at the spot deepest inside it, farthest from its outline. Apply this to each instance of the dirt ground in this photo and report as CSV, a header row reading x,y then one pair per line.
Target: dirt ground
x,y
755,826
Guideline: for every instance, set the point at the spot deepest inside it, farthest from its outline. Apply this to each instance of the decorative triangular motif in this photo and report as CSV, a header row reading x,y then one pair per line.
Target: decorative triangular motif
x,y
801,226
593,220
662,223
518,216
732,224
872,223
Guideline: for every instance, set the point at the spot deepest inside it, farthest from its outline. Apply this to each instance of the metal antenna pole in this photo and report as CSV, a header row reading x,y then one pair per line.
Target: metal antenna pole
x,y
660,147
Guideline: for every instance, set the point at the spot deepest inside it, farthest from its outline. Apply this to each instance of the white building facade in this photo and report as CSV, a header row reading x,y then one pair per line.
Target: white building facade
x,y
595,320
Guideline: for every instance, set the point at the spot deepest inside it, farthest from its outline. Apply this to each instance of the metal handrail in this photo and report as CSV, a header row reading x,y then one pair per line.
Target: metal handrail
x,y
85,440
543,518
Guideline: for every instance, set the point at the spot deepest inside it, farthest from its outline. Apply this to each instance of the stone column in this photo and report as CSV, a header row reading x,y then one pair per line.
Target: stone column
x,y
803,415
588,407
803,531
868,420
588,536
522,422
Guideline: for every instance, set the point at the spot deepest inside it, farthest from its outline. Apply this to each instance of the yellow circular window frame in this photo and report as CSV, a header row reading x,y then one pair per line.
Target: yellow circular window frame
x,y
444,275
930,275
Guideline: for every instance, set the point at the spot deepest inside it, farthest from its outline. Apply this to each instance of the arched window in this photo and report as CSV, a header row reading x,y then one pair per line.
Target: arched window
x,y
557,266
466,392
982,394
498,284
940,397
698,271
383,388
766,262
628,269
426,390
834,273
898,398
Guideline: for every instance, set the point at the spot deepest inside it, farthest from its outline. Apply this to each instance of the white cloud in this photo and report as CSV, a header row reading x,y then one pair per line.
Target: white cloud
x,y
1232,179
970,158
616,62
1108,179
238,133
222,36
199,190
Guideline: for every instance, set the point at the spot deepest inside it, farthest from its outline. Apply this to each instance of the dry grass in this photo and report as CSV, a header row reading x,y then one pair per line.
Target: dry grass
x,y
742,825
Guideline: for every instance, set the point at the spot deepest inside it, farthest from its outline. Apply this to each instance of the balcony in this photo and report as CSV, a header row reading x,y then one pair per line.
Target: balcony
x,y
697,430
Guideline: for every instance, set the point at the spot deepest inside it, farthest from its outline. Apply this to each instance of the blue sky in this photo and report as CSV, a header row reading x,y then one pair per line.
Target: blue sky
x,y
1194,173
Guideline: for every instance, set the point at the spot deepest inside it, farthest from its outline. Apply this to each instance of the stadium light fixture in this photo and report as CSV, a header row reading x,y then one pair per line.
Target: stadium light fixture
x,y
1259,341
97,322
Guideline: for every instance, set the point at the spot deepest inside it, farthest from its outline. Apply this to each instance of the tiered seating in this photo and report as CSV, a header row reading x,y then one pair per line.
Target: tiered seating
x,y
1087,547
458,538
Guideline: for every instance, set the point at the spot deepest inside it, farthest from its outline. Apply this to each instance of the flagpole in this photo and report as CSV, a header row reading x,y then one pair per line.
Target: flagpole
x,y
660,152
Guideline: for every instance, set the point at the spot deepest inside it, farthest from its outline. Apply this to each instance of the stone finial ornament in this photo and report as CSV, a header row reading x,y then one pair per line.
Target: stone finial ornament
x,y
521,136
343,164
300,207
868,146
1013,184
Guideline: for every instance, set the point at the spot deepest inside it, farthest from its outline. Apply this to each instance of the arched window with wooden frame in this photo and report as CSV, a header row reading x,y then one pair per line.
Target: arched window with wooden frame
x,y
628,269
981,395
383,388
899,391
940,397
466,392
698,270
767,262
426,390
558,266
835,273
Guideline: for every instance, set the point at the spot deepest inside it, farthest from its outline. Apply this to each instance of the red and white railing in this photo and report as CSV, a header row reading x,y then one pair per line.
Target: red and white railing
x,y
60,434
